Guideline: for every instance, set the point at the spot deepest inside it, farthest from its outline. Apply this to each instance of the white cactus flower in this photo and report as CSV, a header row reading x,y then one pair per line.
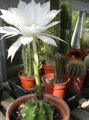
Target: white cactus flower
x,y
29,21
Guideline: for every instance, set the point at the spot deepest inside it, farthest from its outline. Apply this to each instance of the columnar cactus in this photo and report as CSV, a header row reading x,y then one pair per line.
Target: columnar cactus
x,y
86,61
55,30
26,59
65,26
36,110
55,4
75,68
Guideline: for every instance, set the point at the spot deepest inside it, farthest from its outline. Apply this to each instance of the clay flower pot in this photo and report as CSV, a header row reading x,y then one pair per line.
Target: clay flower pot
x,y
75,84
26,82
58,90
60,105
48,69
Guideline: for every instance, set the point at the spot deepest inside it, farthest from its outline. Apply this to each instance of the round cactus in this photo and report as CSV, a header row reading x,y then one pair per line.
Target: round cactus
x,y
86,61
76,68
36,110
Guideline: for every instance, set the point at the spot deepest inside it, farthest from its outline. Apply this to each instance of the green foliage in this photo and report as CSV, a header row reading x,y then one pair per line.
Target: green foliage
x,y
36,110
75,68
65,26
86,61
86,39
75,15
87,22
26,59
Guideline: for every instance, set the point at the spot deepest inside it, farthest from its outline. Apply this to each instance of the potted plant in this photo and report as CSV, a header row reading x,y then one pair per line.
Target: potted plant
x,y
56,83
29,22
75,70
26,76
86,62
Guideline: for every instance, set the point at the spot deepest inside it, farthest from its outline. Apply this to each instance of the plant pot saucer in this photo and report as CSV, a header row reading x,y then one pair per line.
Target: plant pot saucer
x,y
16,88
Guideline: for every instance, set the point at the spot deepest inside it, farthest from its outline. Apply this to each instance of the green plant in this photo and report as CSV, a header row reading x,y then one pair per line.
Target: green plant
x,y
65,26
27,61
30,24
86,61
59,65
57,53
75,68
36,110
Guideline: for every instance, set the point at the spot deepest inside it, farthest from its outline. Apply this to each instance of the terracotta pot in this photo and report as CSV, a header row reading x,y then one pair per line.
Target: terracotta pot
x,y
61,105
58,90
75,84
82,52
87,73
48,69
87,77
26,82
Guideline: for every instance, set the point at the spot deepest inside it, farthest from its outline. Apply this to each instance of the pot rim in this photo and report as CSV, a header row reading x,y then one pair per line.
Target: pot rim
x,y
64,83
60,104
22,71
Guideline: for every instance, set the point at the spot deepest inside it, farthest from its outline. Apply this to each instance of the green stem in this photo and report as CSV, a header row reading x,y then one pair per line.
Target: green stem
x,y
36,70
28,59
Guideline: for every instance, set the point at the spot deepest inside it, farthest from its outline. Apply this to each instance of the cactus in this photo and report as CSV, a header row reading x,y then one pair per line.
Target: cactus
x,y
59,64
86,61
36,110
65,26
54,4
76,68
26,59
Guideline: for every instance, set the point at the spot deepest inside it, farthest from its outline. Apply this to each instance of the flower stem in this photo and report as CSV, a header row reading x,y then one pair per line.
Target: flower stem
x,y
36,70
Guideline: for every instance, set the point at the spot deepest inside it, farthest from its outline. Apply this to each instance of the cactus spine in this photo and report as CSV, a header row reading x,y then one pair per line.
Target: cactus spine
x,y
86,61
76,68
65,26
36,110
26,59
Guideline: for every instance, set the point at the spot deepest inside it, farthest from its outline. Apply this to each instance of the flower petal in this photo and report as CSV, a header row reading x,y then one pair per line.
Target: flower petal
x,y
49,17
13,48
54,37
21,5
47,39
9,30
46,7
25,40
7,36
10,18
51,24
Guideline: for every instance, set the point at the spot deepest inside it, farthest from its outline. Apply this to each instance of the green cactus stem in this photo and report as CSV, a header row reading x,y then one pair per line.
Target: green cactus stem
x,y
76,68
86,61
59,64
36,110
26,59
55,30
65,26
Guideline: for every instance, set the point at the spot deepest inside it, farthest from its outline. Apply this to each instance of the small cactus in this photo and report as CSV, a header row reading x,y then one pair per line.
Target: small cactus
x,y
36,110
76,68
86,61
